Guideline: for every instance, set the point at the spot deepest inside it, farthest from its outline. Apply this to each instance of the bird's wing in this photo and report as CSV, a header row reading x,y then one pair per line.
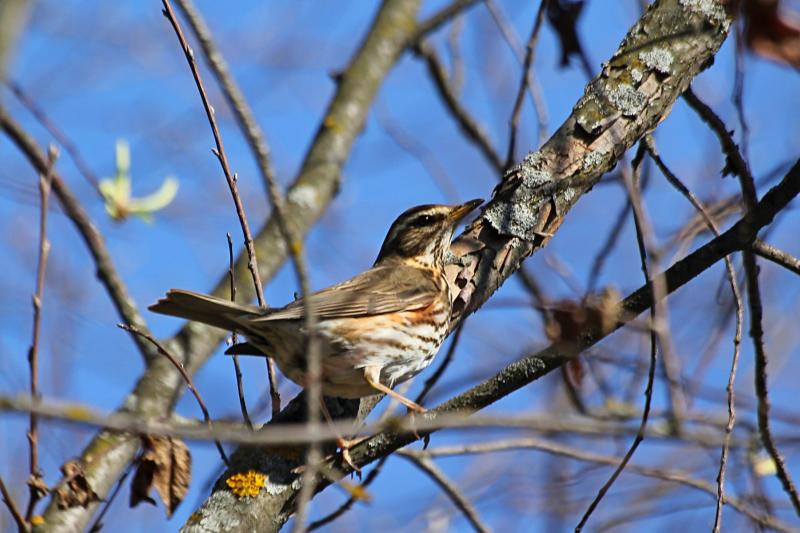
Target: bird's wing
x,y
382,289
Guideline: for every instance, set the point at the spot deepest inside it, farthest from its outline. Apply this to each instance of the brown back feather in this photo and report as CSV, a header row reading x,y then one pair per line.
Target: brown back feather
x,y
386,288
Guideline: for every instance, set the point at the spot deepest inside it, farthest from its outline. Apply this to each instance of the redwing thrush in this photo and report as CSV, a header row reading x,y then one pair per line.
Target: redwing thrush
x,y
377,329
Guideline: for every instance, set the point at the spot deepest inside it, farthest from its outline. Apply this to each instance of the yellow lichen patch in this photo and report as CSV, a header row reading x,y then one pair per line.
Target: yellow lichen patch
x,y
78,413
246,484
329,122
37,520
297,247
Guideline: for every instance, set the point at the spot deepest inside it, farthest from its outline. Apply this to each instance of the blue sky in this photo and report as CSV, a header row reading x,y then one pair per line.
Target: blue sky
x,y
112,70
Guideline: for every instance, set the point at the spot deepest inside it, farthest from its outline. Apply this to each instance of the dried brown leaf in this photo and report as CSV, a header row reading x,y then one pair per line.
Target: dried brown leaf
x,y
597,314
563,17
38,485
165,465
74,491
771,32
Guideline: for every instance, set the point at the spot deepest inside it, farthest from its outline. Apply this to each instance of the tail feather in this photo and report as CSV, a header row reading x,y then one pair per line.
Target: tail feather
x,y
204,308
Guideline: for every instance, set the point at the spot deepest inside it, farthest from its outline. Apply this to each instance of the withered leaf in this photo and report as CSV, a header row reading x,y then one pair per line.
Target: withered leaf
x,y
37,484
596,314
563,17
772,32
74,491
165,465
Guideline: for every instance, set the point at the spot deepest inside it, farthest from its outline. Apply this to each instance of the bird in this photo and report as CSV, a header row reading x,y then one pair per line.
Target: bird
x,y
376,330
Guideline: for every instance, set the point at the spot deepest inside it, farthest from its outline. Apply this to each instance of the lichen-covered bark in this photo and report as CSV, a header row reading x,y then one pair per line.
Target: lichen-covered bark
x,y
656,62
109,453
666,48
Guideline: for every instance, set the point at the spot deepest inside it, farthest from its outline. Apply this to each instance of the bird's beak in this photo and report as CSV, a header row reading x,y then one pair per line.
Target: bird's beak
x,y
460,211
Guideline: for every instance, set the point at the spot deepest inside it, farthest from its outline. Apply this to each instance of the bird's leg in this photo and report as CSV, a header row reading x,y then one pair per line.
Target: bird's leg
x,y
372,376
341,442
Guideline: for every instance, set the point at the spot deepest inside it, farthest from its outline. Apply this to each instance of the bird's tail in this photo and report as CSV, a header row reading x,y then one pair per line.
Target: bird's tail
x,y
205,308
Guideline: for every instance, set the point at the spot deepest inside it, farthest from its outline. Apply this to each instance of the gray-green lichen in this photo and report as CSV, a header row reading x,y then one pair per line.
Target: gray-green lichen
x,y
626,99
658,59
304,196
712,10
274,489
214,515
636,74
590,114
568,194
592,160
517,214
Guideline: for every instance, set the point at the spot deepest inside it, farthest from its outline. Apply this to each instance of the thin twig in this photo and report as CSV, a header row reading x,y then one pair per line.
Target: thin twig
x,y
445,14
471,128
236,368
459,500
35,481
219,152
58,135
658,289
608,245
541,302
735,163
13,509
738,86
526,80
761,386
454,51
186,377
346,506
738,165
737,337
420,151
777,256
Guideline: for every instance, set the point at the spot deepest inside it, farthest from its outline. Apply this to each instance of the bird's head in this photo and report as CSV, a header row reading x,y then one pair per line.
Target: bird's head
x,y
423,233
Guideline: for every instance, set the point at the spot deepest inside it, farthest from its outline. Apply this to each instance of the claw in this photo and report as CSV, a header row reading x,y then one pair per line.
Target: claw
x,y
344,447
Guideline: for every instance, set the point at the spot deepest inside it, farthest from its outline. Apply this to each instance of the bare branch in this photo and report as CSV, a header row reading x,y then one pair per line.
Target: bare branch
x,y
526,80
777,256
441,17
737,337
738,165
58,135
644,240
466,122
36,481
236,368
22,525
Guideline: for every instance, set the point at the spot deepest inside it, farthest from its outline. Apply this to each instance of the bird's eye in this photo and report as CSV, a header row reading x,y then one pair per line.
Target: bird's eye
x,y
422,220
